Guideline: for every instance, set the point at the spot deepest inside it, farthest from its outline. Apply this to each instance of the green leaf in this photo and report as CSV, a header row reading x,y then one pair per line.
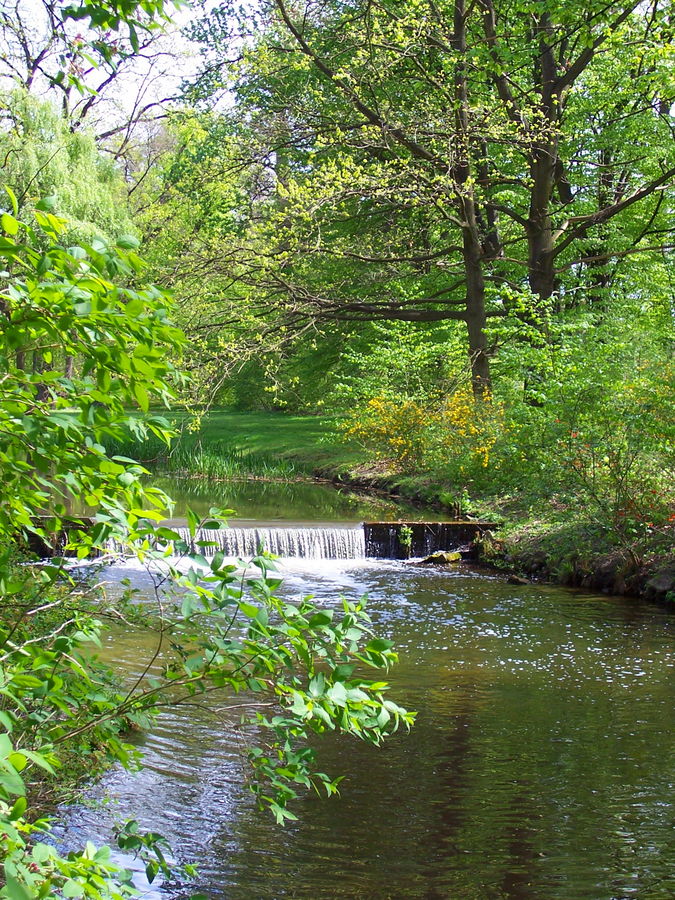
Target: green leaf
x,y
42,852
14,890
13,200
217,561
17,760
39,759
379,645
128,242
141,395
337,694
317,685
19,808
47,204
9,224
192,521
135,307
249,609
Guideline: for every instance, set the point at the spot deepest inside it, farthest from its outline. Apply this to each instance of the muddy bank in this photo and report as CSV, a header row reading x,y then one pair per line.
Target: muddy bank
x,y
384,484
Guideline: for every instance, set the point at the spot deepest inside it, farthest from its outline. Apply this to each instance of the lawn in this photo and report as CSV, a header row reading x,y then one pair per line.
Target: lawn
x,y
262,443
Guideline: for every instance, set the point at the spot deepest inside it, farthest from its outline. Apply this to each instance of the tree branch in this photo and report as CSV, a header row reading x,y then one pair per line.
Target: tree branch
x,y
586,55
603,215
372,115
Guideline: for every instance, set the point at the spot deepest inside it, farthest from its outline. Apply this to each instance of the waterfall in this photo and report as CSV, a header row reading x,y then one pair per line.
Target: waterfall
x,y
379,540
306,543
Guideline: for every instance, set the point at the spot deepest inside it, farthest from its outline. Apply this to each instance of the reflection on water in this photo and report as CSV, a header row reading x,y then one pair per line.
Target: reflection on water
x,y
540,767
270,502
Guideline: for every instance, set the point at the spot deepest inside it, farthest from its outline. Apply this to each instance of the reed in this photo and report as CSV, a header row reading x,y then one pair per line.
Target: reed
x,y
218,460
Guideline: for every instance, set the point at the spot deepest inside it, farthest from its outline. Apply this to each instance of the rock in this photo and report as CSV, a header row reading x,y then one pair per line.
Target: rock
x,y
517,579
661,584
442,557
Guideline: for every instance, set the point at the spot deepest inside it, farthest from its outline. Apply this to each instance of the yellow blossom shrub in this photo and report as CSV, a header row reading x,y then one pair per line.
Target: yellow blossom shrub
x,y
455,437
391,428
466,430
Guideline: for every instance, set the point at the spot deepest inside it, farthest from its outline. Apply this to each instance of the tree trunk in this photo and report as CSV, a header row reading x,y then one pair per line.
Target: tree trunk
x,y
544,162
476,321
541,271
472,246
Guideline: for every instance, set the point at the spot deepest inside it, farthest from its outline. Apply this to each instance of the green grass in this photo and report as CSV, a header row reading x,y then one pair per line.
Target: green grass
x,y
245,444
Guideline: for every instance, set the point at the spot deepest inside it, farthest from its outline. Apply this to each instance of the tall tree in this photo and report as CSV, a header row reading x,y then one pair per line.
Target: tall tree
x,y
431,161
112,72
43,157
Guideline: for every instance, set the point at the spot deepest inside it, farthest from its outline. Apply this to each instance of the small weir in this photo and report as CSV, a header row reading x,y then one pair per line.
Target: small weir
x,y
399,540
304,543
373,540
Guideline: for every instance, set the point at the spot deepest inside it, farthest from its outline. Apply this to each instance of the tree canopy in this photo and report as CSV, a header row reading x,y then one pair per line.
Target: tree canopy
x,y
432,162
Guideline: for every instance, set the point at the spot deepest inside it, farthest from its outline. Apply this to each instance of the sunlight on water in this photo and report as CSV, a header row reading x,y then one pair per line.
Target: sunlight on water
x,y
540,767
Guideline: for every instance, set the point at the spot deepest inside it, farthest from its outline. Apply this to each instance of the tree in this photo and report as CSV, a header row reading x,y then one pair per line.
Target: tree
x,y
111,72
448,161
45,158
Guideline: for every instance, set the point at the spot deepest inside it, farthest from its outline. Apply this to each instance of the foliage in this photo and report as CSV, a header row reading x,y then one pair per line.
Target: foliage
x,y
453,438
219,461
77,349
79,346
405,536
466,432
616,448
435,163
391,428
58,46
238,634
44,157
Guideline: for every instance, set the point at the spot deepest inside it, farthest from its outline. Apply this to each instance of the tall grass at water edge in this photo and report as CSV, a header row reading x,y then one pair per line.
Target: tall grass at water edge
x,y
219,460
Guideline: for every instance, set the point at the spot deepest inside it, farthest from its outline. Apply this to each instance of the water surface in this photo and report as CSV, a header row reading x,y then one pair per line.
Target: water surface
x,y
271,502
541,766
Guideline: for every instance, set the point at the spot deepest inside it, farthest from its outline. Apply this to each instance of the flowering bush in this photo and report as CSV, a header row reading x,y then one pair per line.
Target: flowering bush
x,y
466,431
455,437
392,429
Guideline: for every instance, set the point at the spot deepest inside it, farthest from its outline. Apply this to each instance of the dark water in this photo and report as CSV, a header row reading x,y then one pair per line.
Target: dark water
x,y
541,767
272,502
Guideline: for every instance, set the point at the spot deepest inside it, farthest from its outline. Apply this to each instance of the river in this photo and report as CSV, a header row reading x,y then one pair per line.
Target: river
x,y
540,768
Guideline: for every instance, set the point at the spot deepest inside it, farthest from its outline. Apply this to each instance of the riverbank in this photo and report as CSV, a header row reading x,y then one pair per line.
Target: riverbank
x,y
576,555
546,535
228,444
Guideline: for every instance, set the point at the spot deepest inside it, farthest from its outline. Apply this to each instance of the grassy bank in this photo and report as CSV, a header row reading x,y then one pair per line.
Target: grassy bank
x,y
267,445
225,444
544,537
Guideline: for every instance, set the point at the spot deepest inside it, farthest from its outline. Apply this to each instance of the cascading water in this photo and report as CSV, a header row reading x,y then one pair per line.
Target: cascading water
x,y
373,540
304,543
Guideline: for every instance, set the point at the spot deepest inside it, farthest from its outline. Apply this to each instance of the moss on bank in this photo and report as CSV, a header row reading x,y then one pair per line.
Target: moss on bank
x,y
578,554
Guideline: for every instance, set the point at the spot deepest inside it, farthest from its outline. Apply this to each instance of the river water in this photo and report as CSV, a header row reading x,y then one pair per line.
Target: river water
x,y
540,768
272,502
